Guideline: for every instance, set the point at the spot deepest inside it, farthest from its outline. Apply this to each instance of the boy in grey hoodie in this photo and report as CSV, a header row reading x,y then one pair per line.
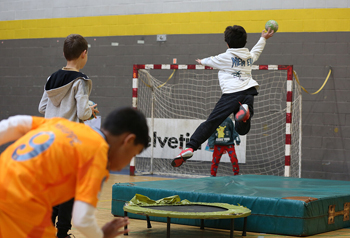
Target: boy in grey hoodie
x,y
237,85
67,90
66,94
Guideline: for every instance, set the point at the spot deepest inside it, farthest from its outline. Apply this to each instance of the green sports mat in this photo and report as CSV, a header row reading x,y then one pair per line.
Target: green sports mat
x,y
279,205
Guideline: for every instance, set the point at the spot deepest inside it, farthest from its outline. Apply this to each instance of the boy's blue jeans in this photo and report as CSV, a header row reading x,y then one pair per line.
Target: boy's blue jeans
x,y
227,104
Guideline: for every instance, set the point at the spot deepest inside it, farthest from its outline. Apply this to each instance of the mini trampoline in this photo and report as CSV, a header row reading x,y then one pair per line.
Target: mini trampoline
x,y
173,207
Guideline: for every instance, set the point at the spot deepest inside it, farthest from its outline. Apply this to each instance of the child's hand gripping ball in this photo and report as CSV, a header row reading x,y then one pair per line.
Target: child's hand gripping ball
x,y
94,109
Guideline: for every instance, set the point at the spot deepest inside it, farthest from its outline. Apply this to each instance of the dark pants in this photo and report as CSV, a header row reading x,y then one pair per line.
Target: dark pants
x,y
64,214
228,103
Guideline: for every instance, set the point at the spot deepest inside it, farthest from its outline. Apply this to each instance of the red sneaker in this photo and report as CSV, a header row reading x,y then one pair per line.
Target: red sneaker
x,y
243,114
182,157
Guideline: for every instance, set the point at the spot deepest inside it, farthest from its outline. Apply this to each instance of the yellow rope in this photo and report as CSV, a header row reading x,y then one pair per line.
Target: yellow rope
x,y
167,80
145,83
161,84
296,77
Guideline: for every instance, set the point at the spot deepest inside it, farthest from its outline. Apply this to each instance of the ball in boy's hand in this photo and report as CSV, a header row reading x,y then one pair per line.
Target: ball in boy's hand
x,y
91,103
271,24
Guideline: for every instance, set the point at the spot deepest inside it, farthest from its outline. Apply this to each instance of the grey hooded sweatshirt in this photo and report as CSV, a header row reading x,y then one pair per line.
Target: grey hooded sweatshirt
x,y
66,94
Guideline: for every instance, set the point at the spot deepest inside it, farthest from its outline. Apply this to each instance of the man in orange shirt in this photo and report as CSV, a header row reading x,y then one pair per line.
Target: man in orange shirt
x,y
54,160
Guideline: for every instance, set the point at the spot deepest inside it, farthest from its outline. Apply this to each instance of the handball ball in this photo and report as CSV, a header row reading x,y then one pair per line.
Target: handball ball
x,y
272,24
91,103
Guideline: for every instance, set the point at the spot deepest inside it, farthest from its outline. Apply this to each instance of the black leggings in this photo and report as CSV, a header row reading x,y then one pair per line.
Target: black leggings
x,y
64,214
228,103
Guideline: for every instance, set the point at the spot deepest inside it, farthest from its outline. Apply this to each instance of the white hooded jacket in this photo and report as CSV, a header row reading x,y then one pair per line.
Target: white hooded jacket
x,y
66,95
235,67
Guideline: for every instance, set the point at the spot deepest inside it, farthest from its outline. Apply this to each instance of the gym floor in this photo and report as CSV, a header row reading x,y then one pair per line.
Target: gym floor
x,y
138,228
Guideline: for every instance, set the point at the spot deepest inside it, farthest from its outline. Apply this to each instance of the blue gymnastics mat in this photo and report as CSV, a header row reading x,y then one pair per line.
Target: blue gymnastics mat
x,y
279,205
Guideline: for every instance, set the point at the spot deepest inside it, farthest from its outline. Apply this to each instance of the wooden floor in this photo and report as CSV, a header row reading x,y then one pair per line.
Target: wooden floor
x,y
138,228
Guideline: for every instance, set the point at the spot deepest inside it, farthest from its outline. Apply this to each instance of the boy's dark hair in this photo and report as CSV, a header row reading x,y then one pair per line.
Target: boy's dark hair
x,y
127,119
73,46
235,36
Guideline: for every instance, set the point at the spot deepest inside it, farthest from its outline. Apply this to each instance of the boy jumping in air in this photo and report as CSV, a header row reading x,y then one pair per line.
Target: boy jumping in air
x,y
237,86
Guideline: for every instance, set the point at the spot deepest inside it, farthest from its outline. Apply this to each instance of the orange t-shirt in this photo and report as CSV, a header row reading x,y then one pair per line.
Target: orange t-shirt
x,y
52,163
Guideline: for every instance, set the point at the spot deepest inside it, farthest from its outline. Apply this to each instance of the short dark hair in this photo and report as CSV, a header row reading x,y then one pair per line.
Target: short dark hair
x,y
127,119
73,46
235,36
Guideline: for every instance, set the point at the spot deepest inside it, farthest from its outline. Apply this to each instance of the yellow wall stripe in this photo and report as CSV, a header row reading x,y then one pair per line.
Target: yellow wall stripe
x,y
291,20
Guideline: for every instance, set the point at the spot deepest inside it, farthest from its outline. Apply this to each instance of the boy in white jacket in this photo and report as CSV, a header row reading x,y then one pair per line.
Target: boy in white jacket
x,y
237,85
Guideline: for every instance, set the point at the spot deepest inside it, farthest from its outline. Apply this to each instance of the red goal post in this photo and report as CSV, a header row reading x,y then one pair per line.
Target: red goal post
x,y
289,97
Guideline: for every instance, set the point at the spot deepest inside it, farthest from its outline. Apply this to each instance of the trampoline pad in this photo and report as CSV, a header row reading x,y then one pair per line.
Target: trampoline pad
x,y
174,207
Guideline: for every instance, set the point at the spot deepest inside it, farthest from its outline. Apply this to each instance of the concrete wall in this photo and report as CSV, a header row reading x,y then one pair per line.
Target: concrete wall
x,y
313,35
41,9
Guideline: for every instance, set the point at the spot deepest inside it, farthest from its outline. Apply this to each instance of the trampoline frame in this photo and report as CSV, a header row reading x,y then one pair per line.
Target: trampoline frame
x,y
229,214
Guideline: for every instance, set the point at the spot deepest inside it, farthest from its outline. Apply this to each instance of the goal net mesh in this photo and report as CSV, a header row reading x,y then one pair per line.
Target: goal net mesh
x,y
193,93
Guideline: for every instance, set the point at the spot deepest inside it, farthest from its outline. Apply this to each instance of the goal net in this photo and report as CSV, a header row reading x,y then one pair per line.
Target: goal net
x,y
177,98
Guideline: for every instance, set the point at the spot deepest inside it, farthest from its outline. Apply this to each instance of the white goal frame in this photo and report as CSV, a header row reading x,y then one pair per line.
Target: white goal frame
x,y
289,98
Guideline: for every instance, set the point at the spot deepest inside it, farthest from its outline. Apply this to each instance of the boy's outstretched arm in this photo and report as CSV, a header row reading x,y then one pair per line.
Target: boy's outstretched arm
x,y
14,127
259,47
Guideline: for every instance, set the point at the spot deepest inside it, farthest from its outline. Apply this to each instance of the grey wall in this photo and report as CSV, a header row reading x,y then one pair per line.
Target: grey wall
x,y
26,64
41,9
